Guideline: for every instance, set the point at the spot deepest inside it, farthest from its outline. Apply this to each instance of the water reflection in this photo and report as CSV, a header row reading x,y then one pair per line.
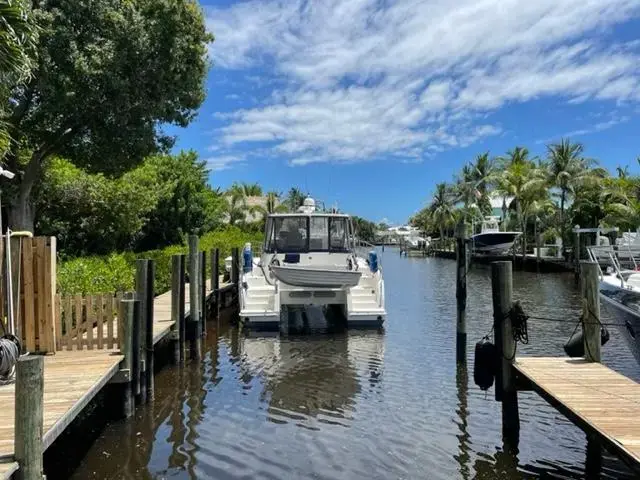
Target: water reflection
x,y
359,404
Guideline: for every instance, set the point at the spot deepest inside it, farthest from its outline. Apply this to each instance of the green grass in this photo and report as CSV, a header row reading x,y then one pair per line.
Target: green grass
x,y
116,272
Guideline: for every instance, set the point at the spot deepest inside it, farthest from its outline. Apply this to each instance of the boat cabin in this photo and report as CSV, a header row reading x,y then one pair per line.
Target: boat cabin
x,y
304,233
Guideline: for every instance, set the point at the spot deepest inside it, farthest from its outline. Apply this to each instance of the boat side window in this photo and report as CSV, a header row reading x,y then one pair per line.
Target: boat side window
x,y
338,238
319,234
290,234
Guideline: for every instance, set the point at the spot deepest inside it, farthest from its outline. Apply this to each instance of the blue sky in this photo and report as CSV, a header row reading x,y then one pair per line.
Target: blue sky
x,y
370,103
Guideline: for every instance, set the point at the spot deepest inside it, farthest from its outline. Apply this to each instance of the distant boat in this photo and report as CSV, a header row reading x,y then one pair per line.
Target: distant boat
x,y
491,239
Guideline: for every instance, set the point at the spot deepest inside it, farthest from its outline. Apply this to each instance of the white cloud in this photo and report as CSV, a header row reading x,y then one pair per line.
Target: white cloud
x,y
355,80
224,162
595,128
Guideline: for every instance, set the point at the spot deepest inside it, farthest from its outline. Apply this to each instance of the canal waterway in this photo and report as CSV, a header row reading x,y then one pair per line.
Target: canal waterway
x,y
360,404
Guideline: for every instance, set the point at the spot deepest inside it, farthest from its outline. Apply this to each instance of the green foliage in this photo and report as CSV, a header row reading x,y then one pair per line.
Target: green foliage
x,y
151,206
364,229
116,272
108,73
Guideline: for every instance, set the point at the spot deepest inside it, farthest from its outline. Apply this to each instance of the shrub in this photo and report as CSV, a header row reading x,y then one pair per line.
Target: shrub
x,y
116,272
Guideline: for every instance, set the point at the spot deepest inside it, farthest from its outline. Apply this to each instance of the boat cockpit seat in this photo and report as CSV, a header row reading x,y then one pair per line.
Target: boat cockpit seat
x,y
634,280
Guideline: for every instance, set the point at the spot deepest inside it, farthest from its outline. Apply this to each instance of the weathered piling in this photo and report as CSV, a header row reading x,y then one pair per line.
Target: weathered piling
x,y
203,292
177,288
506,389
149,345
142,284
29,417
215,281
461,292
195,336
127,314
235,266
590,310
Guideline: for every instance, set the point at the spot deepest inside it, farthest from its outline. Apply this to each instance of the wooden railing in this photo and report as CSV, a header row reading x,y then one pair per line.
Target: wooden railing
x,y
88,322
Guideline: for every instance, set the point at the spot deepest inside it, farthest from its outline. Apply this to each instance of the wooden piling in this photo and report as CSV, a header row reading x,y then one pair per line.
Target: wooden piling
x,y
235,266
127,313
506,389
150,352
215,281
195,335
203,292
29,401
177,285
461,292
576,255
590,310
142,284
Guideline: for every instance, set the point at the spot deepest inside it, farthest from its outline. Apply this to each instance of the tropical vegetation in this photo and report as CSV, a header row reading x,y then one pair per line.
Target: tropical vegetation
x,y
545,195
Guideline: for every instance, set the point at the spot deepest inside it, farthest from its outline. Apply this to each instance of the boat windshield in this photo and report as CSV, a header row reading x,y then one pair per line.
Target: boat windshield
x,y
299,234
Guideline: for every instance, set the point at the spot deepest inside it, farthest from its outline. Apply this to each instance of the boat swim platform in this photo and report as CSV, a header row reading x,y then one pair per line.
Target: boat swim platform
x,y
72,379
599,400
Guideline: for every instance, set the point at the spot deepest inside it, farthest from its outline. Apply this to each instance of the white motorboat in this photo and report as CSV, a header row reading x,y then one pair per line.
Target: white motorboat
x,y
620,289
491,239
310,260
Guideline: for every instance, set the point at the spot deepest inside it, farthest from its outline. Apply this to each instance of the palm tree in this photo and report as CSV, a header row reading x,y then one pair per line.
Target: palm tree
x,y
295,198
483,175
252,189
526,183
567,169
442,208
237,207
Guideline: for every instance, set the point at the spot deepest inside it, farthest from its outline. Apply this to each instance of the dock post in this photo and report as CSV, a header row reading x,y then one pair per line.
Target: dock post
x,y
195,335
203,291
29,401
127,315
506,390
150,352
142,284
235,271
215,281
590,310
177,277
461,292
538,243
576,255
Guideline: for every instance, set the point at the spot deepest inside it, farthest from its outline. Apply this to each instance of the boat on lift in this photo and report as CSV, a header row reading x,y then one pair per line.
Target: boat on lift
x,y
491,239
311,263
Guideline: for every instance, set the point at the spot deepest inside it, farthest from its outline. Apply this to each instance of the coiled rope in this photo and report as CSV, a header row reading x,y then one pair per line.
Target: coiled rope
x,y
9,354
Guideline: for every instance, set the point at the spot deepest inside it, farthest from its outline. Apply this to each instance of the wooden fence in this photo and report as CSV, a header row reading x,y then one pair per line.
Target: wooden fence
x,y
88,322
33,273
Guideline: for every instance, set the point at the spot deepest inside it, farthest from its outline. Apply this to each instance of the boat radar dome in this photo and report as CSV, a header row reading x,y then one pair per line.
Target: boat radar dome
x,y
308,206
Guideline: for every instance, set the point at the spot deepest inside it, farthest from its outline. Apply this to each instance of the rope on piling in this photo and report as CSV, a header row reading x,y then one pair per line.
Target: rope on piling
x,y
9,354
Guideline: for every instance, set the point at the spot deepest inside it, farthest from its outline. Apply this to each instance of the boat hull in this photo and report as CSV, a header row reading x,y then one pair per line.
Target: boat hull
x,y
493,242
625,306
316,277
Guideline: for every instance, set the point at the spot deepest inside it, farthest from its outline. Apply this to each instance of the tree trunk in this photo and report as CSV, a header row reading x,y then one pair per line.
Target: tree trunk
x,y
21,214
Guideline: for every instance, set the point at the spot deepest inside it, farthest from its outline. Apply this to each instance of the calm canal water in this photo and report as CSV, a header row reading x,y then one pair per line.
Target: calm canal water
x,y
360,404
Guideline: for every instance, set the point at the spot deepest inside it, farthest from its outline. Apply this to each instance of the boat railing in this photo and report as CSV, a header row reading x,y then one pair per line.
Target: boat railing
x,y
621,258
362,249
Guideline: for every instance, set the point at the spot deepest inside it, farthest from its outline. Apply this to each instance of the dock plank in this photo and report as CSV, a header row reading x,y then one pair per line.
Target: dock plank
x,y
67,390
596,398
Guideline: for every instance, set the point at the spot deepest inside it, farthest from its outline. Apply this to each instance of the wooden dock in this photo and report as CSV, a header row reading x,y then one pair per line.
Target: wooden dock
x,y
599,400
73,377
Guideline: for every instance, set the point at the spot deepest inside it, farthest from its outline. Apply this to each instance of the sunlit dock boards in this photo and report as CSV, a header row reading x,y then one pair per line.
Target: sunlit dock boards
x,y
71,381
600,401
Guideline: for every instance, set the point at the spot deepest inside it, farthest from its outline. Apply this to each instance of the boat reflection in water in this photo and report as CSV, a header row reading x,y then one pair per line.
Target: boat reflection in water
x,y
316,376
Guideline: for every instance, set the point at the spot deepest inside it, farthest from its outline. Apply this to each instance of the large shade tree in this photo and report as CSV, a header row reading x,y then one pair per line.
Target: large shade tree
x,y
108,74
